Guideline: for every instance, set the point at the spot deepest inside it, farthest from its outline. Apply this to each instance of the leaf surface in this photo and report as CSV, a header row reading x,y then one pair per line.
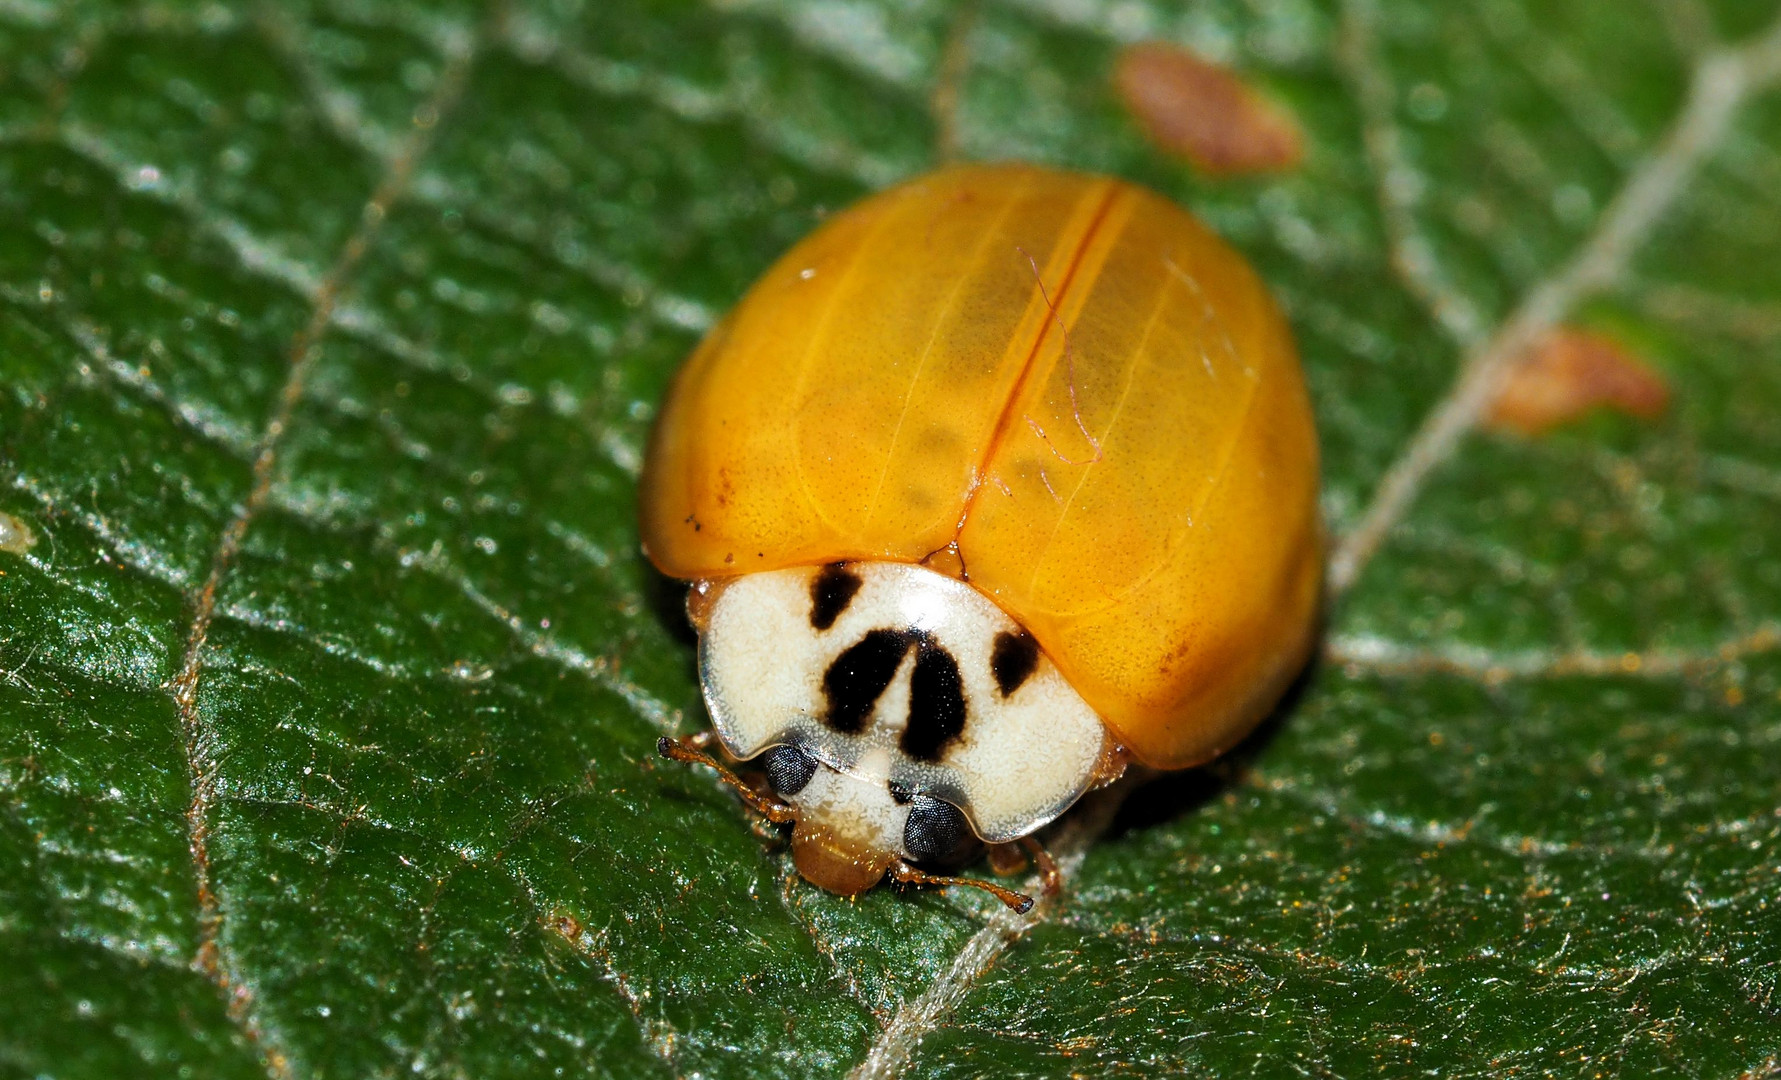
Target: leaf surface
x,y
330,335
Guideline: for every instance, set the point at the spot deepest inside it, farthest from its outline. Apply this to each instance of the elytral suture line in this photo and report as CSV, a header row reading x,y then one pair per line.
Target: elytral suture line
x,y
1723,79
200,738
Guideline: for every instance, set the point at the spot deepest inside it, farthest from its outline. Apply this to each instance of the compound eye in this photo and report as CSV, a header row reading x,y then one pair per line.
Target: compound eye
x,y
935,829
788,769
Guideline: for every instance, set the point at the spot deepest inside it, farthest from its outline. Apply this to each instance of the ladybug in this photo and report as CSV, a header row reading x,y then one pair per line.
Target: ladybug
x,y
999,480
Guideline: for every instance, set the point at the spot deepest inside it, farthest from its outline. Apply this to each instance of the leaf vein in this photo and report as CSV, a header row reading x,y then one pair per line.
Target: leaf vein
x,y
1722,82
200,749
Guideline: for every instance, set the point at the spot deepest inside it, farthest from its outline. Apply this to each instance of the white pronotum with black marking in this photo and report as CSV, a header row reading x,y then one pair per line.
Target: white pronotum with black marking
x,y
893,707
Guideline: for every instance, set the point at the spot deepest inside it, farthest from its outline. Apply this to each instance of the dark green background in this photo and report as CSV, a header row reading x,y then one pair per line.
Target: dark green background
x,y
439,843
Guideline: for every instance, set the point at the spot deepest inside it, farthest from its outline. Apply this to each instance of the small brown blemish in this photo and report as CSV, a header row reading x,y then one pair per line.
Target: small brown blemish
x,y
1570,372
1204,112
700,599
16,537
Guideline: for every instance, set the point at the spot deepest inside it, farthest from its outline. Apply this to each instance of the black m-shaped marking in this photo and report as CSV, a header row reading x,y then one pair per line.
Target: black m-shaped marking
x,y
856,678
859,676
936,704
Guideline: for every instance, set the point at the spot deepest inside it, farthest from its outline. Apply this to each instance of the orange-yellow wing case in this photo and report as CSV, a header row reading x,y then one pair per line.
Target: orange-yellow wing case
x,y
1067,377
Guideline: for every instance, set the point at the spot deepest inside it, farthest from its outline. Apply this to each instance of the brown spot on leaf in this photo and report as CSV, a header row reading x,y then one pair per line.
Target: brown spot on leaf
x,y
1203,112
1569,373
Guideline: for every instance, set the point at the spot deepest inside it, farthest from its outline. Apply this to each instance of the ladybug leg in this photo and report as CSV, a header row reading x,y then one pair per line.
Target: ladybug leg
x,y
1013,857
904,874
1006,859
690,750
1050,880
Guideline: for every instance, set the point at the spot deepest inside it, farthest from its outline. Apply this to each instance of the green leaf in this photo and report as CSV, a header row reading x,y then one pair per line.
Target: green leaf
x,y
329,338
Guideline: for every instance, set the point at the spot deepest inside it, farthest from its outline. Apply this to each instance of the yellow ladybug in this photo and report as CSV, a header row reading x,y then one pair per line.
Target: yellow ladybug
x,y
998,480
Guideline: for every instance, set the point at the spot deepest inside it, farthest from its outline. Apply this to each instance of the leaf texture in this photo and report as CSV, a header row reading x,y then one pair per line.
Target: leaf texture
x,y
330,334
